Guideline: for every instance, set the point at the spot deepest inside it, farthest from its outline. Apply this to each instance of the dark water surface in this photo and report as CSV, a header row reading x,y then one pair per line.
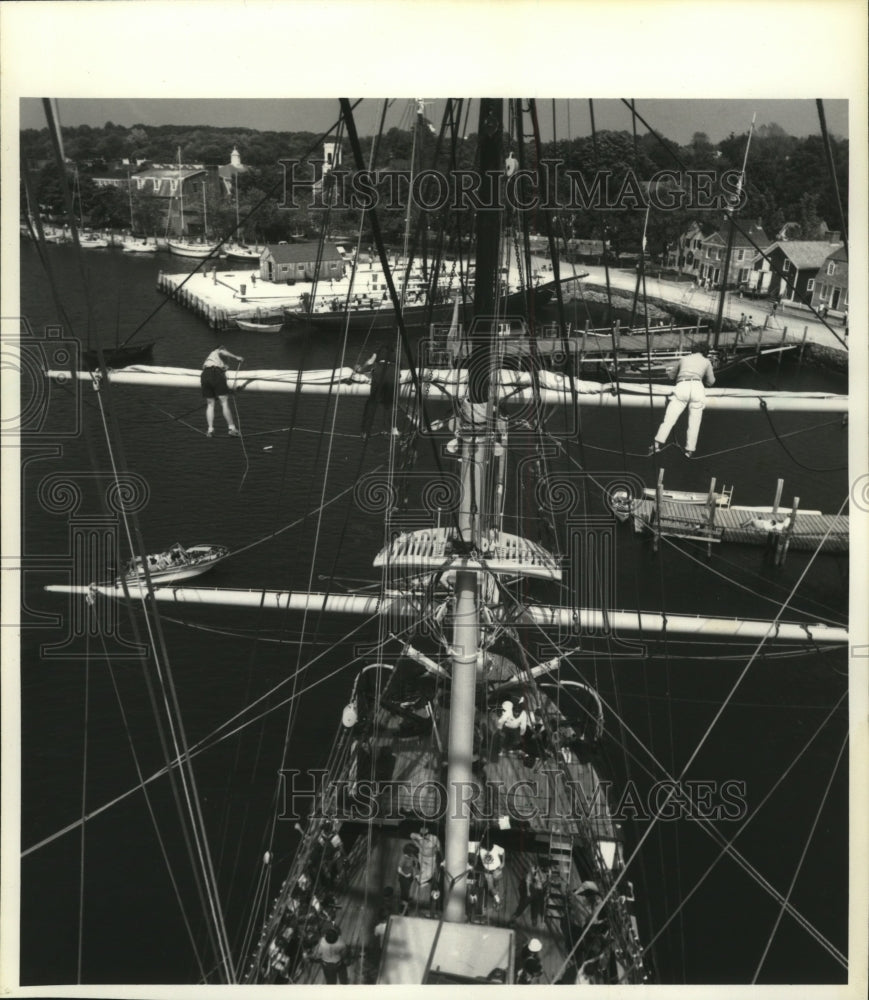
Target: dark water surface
x,y
237,493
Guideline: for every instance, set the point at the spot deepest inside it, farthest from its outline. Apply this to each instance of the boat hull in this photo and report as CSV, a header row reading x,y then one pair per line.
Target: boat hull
x,y
176,564
191,250
255,327
139,247
372,319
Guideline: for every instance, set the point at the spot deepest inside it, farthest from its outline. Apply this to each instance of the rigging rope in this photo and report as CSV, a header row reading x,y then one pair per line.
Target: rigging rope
x,y
696,887
708,828
808,468
277,187
710,568
234,399
701,743
802,859
142,786
216,736
776,269
84,773
179,743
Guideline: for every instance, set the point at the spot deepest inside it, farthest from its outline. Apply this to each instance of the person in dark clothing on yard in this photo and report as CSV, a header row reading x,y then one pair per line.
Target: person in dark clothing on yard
x,y
213,381
383,382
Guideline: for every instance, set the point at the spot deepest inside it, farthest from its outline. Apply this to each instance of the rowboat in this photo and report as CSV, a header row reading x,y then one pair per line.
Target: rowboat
x,y
259,324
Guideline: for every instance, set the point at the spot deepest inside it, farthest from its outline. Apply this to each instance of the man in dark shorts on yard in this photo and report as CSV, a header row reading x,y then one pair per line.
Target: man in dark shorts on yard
x,y
213,380
383,386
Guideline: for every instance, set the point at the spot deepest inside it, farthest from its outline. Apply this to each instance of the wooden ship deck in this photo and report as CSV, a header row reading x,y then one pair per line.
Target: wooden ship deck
x,y
547,809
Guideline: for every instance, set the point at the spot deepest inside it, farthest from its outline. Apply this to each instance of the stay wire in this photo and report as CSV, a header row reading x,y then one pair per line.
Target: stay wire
x,y
649,945
710,830
176,727
143,787
84,774
90,448
802,858
731,580
708,730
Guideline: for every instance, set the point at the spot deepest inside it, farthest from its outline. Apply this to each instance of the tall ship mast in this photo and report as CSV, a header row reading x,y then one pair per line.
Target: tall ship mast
x,y
491,856
460,827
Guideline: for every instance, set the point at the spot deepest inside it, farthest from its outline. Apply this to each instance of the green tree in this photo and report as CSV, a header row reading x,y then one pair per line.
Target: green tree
x,y
107,208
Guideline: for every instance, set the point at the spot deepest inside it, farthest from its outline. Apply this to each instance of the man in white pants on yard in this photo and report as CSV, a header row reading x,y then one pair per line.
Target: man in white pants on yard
x,y
692,372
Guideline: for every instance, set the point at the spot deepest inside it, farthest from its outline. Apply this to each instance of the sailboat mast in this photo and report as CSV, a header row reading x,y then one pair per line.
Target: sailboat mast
x,y
730,234
181,194
130,196
466,625
204,208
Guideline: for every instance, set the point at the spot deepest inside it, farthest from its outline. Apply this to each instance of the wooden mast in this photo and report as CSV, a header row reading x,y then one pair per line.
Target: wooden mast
x,y
466,627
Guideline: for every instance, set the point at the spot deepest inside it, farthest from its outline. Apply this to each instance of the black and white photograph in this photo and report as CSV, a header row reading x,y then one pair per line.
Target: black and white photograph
x,y
434,525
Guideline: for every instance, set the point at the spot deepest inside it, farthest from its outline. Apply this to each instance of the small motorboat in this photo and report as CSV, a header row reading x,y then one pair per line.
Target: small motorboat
x,y
177,563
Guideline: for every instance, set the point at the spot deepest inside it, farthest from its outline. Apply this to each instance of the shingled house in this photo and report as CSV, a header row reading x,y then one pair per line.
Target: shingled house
x,y
831,285
744,249
293,262
793,267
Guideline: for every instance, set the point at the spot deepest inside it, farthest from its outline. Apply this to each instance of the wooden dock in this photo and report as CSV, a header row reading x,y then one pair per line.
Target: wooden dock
x,y
801,530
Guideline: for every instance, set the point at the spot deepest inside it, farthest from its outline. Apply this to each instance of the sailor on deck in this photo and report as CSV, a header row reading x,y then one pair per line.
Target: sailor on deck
x,y
691,373
331,953
429,852
493,867
529,968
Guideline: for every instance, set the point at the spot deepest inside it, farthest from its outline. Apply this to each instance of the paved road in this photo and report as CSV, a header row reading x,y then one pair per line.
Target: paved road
x,y
757,310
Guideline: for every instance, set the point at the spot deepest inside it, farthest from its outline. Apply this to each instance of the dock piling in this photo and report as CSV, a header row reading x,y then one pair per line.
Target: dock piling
x,y
778,492
784,538
710,524
659,502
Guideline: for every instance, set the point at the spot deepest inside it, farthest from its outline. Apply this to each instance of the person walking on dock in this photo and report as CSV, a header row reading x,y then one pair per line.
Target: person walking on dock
x,y
213,381
692,372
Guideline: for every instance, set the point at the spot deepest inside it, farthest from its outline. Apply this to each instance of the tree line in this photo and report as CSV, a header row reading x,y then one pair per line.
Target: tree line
x,y
787,179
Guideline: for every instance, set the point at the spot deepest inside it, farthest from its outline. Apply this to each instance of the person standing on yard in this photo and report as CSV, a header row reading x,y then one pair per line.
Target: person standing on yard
x,y
383,374
213,382
692,372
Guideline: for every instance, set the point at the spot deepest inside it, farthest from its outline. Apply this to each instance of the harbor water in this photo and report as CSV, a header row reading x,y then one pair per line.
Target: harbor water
x,y
86,709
